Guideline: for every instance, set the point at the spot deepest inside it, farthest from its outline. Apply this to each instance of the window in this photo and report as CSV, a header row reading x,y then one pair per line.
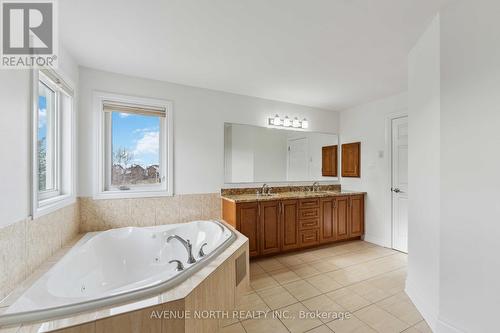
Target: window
x,y
135,147
53,141
47,145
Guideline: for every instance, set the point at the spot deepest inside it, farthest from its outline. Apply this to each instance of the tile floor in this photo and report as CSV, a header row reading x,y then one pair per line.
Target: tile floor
x,y
359,280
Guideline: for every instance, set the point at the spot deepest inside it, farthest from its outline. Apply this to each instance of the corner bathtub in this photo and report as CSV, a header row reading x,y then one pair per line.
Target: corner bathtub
x,y
117,266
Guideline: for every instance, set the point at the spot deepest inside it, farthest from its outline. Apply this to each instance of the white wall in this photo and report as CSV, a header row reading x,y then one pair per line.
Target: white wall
x,y
15,146
470,166
199,116
454,100
424,173
367,123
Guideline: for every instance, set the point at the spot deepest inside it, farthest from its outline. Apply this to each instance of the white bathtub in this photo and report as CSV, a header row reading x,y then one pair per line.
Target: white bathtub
x,y
116,266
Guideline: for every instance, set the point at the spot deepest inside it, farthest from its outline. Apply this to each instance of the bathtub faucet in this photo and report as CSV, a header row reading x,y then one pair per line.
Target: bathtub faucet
x,y
187,244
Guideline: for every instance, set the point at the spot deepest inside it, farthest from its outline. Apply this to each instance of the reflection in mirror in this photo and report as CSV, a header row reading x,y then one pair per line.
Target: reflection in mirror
x,y
261,154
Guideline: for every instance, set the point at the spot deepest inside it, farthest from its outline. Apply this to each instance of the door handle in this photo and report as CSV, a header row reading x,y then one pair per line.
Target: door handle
x,y
396,190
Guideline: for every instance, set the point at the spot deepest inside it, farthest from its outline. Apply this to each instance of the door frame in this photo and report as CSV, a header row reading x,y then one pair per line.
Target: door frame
x,y
388,148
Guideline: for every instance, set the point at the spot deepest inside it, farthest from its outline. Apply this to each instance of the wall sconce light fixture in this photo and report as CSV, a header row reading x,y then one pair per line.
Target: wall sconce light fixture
x,y
287,122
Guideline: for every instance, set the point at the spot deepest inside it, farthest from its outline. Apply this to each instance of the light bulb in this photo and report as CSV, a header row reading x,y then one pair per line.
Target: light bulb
x,y
305,123
296,122
287,122
277,121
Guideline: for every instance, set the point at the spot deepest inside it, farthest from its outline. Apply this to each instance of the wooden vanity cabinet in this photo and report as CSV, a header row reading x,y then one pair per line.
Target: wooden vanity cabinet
x,y
247,222
341,216
356,215
284,225
328,227
269,224
289,224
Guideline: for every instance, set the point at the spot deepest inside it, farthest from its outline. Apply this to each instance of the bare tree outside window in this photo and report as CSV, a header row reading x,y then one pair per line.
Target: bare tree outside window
x,y
42,164
136,158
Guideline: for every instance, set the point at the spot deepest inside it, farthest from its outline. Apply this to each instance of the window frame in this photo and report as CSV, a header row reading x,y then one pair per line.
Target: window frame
x,y
53,126
63,191
103,163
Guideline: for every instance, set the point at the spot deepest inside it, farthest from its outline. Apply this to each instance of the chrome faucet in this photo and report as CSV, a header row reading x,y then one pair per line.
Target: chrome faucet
x,y
265,189
187,244
202,253
180,266
315,187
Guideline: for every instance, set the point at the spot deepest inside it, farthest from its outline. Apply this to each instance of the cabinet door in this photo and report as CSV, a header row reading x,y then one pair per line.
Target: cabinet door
x,y
356,216
248,225
327,220
351,159
329,161
289,224
269,227
341,217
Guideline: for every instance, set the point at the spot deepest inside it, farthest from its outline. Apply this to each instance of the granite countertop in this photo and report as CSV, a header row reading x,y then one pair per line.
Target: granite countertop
x,y
287,195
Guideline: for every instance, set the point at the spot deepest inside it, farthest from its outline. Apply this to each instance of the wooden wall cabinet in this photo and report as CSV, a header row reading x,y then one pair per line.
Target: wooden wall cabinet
x,y
329,161
284,225
351,159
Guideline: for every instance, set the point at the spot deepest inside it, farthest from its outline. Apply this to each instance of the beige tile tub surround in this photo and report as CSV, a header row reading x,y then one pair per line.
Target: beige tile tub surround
x,y
27,244
359,278
206,289
98,215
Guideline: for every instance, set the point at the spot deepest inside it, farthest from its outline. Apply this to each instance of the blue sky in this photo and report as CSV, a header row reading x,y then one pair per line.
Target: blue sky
x,y
42,117
139,135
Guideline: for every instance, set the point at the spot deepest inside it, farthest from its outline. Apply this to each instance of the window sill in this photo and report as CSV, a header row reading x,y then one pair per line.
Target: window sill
x,y
53,204
130,194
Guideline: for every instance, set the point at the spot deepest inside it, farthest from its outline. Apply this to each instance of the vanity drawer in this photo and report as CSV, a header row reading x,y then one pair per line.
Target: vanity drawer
x,y
309,237
308,224
309,213
308,203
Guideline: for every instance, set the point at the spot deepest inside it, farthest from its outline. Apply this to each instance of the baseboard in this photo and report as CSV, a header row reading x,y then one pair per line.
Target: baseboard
x,y
444,327
429,312
376,240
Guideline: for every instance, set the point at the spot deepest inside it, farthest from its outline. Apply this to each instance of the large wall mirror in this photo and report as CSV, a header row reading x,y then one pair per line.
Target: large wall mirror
x,y
262,154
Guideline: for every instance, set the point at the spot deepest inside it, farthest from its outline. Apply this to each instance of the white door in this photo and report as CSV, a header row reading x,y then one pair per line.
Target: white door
x,y
298,166
400,184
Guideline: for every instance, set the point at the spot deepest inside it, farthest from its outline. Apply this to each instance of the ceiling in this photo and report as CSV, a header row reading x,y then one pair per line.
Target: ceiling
x,y
331,54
